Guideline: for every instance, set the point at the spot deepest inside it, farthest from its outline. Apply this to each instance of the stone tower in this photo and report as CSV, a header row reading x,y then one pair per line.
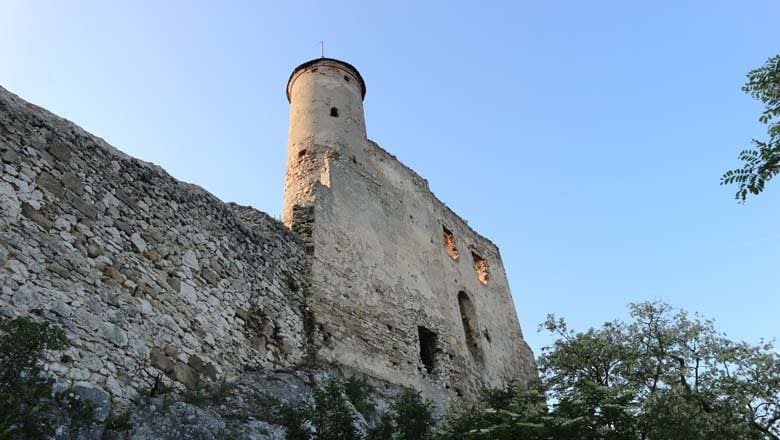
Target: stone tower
x,y
402,289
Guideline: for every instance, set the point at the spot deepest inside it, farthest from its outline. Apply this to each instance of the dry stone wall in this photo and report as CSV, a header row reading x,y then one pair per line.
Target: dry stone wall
x,y
149,276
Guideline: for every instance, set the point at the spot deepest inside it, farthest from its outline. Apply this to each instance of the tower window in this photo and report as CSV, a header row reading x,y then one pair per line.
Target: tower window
x,y
469,318
346,78
334,112
427,348
449,243
481,266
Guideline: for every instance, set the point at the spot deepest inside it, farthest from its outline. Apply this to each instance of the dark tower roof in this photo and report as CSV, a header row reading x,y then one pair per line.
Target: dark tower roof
x,y
343,64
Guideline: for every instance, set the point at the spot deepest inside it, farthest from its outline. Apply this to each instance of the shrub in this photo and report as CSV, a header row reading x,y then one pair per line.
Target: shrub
x,y
410,418
359,393
29,407
329,415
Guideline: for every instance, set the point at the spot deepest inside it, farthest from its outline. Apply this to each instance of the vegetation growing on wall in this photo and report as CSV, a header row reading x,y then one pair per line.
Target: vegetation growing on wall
x,y
29,406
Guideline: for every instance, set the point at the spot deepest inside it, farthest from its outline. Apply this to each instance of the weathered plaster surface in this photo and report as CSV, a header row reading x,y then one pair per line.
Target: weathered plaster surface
x,y
380,267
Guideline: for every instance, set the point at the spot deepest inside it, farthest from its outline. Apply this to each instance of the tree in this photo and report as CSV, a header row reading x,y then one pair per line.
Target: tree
x,y
761,163
664,375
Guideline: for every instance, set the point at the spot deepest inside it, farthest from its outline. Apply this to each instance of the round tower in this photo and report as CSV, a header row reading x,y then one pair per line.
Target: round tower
x,y
326,103
326,118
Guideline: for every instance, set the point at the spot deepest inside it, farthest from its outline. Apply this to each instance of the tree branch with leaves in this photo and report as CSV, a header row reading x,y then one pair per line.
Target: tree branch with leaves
x,y
761,163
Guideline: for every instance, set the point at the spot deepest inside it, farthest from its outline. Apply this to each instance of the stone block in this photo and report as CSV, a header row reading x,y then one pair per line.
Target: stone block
x,y
60,151
36,216
100,399
184,374
160,361
51,184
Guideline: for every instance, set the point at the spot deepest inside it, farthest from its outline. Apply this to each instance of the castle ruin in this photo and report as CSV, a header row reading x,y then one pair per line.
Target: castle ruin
x,y
401,287
368,272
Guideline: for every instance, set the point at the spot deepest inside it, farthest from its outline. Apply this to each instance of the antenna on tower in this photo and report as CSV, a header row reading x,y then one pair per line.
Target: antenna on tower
x,y
322,49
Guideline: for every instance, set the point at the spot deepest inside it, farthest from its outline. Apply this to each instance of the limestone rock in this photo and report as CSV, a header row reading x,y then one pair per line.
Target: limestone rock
x,y
190,260
99,398
160,361
138,243
10,206
179,421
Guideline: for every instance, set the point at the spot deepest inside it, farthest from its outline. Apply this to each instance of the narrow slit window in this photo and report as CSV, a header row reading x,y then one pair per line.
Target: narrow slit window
x,y
427,348
481,266
486,333
468,317
449,243
334,112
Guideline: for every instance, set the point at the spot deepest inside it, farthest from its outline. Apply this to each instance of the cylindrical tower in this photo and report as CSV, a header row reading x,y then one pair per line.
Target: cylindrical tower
x,y
326,118
326,103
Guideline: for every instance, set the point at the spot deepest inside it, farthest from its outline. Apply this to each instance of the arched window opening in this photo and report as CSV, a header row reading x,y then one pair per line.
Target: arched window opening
x,y
469,318
334,112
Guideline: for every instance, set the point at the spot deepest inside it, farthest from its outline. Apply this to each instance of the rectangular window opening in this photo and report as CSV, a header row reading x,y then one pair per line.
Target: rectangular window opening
x,y
427,348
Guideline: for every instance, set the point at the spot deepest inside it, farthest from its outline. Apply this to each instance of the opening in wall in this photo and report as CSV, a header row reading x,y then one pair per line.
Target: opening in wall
x,y
427,348
481,266
334,112
468,317
449,243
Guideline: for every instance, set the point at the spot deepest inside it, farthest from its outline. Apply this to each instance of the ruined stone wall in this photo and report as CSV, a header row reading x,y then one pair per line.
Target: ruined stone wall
x,y
382,269
147,274
389,294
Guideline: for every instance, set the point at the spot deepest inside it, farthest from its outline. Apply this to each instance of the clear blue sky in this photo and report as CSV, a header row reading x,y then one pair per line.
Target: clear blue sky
x,y
585,138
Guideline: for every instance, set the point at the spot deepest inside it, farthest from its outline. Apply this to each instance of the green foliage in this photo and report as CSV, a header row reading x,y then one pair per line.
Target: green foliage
x,y
359,393
409,418
204,393
28,405
296,420
119,421
330,416
384,429
664,375
761,163
412,417
508,413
